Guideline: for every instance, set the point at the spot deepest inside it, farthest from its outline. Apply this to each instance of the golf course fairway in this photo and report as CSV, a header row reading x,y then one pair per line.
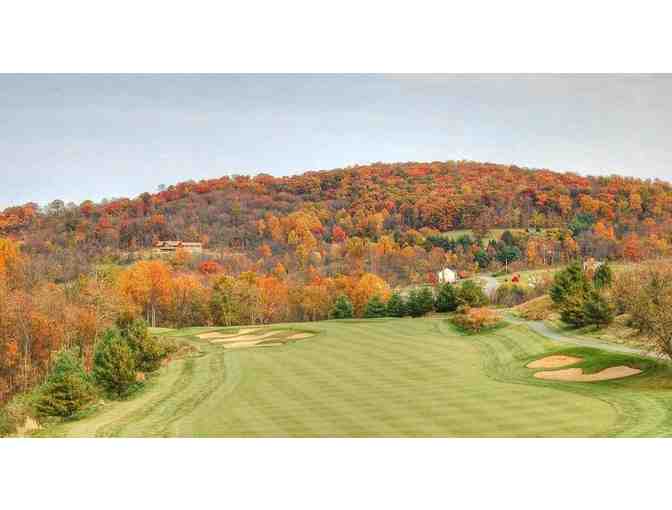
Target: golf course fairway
x,y
383,378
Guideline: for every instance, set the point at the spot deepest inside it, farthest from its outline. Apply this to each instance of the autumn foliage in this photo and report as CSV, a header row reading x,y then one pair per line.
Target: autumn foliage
x,y
475,320
285,248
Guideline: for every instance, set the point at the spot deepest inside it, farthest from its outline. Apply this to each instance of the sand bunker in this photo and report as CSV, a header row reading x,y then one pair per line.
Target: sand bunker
x,y
217,334
235,345
576,374
299,336
554,362
244,338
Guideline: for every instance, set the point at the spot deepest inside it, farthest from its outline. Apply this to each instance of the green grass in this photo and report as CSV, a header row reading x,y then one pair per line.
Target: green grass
x,y
391,378
530,274
493,233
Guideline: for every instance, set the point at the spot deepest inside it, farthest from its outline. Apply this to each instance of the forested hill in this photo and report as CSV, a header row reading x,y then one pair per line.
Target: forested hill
x,y
406,201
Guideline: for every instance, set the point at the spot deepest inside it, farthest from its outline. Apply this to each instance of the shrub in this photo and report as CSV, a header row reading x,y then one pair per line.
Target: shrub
x,y
67,389
475,320
396,306
375,308
510,295
15,413
446,300
8,423
114,364
342,308
471,294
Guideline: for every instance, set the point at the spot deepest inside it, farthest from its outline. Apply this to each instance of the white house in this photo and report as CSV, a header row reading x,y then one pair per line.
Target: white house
x,y
447,276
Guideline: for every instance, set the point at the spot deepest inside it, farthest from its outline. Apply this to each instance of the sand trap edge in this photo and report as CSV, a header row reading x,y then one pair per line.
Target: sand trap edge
x,y
577,375
554,361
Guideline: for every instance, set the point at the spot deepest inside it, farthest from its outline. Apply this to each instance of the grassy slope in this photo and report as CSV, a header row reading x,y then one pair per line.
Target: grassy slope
x,y
398,377
493,233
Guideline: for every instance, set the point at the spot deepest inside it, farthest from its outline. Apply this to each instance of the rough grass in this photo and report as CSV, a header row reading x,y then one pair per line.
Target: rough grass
x,y
539,308
617,332
393,378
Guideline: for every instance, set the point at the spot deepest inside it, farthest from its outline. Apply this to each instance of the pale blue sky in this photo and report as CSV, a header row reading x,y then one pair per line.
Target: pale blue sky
x,y
75,137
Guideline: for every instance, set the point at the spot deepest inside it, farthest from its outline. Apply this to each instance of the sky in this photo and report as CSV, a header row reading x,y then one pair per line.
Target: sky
x,y
78,137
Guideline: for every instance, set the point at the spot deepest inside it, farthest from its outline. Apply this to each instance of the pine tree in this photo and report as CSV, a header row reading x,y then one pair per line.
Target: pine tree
x,y
570,281
420,302
147,349
342,308
446,300
597,310
67,389
396,307
603,276
375,308
573,310
114,364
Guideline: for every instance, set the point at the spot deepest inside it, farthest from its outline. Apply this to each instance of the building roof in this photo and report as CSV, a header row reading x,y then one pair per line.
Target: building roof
x,y
176,244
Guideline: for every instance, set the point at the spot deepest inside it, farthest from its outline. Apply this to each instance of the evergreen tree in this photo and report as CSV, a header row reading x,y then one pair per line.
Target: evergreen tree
x,y
482,259
427,302
597,310
67,389
446,300
375,308
342,308
568,282
413,303
586,309
603,276
420,302
396,307
573,310
147,349
114,364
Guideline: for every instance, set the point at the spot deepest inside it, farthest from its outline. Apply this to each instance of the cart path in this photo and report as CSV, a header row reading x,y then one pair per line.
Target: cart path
x,y
544,330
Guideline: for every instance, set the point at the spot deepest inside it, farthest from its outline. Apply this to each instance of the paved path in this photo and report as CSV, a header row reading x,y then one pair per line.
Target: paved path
x,y
544,330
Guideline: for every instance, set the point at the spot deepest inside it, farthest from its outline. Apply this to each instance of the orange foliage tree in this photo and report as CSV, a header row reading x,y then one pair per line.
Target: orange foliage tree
x,y
148,286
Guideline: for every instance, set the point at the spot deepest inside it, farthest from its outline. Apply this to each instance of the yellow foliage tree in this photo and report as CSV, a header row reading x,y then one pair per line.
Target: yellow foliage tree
x,y
369,285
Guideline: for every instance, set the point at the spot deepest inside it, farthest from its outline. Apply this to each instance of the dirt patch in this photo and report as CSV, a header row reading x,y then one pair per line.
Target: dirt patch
x,y
217,334
553,362
577,375
299,336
